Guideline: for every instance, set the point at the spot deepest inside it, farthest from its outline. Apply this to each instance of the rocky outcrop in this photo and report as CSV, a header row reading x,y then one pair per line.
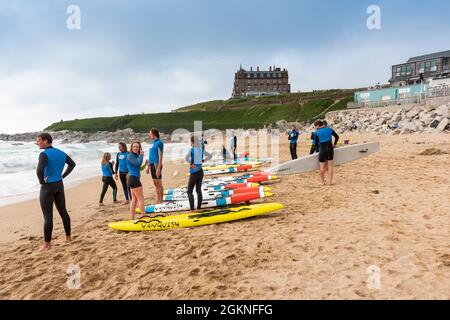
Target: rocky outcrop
x,y
401,120
66,136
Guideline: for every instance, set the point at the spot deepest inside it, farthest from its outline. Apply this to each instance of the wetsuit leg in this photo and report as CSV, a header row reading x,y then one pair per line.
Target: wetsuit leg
x,y
293,149
60,203
312,150
104,189
190,188
123,181
113,185
198,189
46,200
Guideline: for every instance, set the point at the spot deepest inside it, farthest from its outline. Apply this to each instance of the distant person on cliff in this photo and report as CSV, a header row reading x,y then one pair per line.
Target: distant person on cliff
x,y
324,137
155,163
50,174
134,163
195,158
107,178
121,170
293,138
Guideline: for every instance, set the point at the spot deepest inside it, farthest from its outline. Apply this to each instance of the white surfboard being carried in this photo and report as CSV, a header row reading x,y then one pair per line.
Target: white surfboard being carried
x,y
311,163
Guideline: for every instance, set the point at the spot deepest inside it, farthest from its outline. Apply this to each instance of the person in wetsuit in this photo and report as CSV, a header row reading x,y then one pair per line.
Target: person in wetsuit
x,y
225,154
293,138
107,178
155,160
233,146
195,158
50,174
324,137
314,145
134,163
121,170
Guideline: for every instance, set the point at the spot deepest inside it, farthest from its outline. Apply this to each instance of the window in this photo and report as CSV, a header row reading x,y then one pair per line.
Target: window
x,y
428,66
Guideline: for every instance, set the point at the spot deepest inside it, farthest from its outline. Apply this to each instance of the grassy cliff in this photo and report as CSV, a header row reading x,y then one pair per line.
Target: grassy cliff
x,y
222,114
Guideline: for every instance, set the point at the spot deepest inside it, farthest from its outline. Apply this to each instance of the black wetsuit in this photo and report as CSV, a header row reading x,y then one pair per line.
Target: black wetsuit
x,y
196,156
314,145
49,172
234,148
108,181
326,147
122,169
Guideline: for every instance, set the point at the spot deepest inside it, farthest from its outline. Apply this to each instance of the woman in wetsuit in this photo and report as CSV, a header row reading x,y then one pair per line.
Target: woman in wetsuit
x,y
121,170
195,157
107,178
134,162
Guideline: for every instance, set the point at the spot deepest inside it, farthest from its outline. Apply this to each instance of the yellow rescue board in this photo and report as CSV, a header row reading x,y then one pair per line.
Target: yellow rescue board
x,y
204,217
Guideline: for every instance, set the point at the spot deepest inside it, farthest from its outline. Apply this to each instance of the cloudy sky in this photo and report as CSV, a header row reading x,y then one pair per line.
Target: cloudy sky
x,y
150,56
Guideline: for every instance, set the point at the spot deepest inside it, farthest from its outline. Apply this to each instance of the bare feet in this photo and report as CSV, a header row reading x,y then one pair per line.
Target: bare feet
x,y
100,204
45,247
126,202
68,238
116,201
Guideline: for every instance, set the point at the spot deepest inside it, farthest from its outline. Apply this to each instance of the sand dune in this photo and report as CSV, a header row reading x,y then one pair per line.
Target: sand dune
x,y
390,210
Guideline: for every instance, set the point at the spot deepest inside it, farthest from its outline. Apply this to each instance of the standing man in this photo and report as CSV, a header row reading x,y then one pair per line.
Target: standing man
x,y
155,163
233,146
50,174
324,138
293,138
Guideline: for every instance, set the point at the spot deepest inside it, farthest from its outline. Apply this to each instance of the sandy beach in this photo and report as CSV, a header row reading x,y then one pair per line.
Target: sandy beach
x,y
390,210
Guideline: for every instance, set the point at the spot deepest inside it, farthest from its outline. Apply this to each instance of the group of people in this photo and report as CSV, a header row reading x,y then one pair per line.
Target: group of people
x,y
129,164
127,168
321,143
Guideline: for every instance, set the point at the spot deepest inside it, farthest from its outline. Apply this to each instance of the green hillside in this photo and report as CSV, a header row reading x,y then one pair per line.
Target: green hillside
x,y
220,114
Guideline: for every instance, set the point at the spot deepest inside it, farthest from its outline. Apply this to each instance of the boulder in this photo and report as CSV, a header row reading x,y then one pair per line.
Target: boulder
x,y
413,113
443,125
434,123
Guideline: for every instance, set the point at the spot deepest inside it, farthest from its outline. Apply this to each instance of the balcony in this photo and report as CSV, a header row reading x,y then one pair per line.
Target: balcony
x,y
446,69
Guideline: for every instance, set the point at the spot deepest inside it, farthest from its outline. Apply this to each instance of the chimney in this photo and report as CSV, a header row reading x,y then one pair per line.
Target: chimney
x,y
270,68
257,68
251,68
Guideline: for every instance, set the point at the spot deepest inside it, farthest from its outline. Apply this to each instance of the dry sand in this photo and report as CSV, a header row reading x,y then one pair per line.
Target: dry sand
x,y
390,210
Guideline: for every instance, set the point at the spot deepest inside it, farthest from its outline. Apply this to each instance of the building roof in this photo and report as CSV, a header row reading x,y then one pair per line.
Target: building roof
x,y
437,55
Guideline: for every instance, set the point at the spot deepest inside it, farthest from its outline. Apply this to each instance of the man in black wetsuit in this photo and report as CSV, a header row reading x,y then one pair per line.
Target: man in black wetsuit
x,y
50,174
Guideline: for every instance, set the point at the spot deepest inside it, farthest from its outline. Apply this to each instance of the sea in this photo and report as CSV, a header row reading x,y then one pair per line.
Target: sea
x,y
18,162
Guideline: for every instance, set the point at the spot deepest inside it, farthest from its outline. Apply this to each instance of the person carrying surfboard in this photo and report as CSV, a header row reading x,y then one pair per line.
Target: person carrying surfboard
x,y
293,138
107,178
195,157
134,163
50,175
155,161
324,137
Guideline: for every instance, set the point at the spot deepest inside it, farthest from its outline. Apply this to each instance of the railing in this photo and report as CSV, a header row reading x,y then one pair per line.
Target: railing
x,y
420,98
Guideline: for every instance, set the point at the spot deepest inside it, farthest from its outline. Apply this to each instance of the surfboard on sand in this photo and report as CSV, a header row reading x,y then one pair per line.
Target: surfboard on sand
x,y
311,163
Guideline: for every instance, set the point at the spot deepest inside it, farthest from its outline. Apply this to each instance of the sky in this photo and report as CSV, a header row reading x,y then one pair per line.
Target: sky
x,y
141,56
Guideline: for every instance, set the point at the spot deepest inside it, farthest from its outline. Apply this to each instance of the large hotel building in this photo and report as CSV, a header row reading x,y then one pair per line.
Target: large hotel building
x,y
260,82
